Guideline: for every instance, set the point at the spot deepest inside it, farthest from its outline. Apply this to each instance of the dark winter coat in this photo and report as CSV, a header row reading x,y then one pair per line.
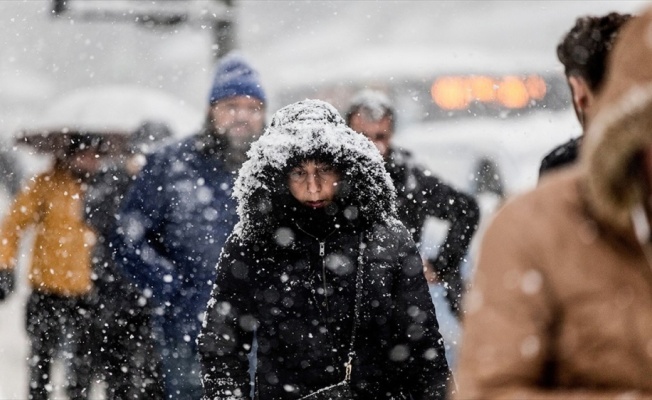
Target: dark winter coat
x,y
278,265
173,224
114,293
421,195
561,156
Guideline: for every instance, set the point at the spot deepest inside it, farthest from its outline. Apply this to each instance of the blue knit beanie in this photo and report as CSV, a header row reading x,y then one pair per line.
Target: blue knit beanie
x,y
235,77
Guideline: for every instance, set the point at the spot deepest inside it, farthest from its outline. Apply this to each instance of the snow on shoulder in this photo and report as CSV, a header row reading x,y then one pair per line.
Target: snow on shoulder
x,y
311,129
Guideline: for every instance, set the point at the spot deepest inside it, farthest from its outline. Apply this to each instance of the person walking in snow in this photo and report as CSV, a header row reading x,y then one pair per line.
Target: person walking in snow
x,y
583,51
323,272
561,306
420,194
58,309
178,213
124,355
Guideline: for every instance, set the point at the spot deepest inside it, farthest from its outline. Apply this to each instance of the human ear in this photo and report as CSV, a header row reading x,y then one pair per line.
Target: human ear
x,y
583,97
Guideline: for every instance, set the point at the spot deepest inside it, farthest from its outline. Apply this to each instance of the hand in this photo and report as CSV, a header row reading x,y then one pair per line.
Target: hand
x,y
429,272
7,282
451,280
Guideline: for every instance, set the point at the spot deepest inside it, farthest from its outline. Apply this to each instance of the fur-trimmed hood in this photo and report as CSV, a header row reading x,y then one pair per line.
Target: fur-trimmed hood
x,y
304,130
621,128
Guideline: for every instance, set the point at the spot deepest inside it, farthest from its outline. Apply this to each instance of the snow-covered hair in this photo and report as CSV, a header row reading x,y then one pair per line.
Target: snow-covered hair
x,y
310,130
372,102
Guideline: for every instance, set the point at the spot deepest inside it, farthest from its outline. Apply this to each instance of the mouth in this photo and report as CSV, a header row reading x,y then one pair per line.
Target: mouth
x,y
316,204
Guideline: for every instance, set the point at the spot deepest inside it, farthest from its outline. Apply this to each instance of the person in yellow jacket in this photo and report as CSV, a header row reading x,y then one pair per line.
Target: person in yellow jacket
x,y
60,269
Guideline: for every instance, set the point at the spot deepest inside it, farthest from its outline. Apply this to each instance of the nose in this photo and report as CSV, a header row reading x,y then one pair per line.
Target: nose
x,y
241,114
246,113
314,183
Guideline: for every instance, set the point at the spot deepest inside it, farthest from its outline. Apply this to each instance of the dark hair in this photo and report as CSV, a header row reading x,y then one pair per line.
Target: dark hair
x,y
584,49
318,157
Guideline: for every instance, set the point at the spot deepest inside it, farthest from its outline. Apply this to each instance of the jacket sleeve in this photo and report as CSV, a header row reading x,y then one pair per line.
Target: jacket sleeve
x,y
227,333
463,213
138,240
23,212
417,330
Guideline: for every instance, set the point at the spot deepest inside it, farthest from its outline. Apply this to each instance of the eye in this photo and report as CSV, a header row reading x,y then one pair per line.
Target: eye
x,y
297,175
326,171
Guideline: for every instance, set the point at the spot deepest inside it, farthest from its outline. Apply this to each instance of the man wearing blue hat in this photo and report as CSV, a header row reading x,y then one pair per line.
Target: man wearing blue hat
x,y
178,214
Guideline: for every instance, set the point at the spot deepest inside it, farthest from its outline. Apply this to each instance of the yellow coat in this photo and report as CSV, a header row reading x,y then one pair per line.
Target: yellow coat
x,y
61,257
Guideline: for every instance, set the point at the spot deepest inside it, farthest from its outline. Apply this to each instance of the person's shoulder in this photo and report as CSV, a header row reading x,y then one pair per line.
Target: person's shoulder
x,y
38,182
412,165
238,247
401,153
562,155
404,158
565,150
555,198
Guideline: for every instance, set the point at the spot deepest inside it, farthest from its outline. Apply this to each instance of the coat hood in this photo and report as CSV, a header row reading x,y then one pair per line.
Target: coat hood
x,y
621,128
311,129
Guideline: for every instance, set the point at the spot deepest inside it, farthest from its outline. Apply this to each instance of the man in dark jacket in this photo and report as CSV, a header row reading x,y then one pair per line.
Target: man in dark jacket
x,y
583,51
420,194
323,271
178,214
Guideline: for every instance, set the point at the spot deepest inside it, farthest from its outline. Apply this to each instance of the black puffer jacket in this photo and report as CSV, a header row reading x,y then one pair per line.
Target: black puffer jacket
x,y
291,276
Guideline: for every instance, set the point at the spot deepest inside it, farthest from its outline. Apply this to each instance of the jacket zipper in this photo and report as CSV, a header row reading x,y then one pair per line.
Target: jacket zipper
x,y
322,253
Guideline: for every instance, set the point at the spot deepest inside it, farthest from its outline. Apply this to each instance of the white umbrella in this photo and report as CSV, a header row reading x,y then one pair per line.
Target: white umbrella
x,y
110,111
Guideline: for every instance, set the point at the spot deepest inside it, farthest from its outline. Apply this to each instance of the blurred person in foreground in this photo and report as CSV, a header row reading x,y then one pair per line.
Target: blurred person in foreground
x,y
323,271
561,306
125,356
57,315
178,213
583,51
420,194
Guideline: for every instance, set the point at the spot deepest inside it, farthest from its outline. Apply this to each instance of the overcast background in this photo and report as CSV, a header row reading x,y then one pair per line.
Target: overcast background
x,y
42,57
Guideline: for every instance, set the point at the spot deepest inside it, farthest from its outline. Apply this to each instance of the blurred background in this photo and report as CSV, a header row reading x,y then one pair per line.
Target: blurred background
x,y
420,52
424,54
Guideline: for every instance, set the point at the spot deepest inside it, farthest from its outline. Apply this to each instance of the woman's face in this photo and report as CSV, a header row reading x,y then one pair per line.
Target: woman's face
x,y
313,184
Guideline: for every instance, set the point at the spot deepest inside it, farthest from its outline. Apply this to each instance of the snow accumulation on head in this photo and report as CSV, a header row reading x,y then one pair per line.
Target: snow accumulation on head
x,y
377,102
301,131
